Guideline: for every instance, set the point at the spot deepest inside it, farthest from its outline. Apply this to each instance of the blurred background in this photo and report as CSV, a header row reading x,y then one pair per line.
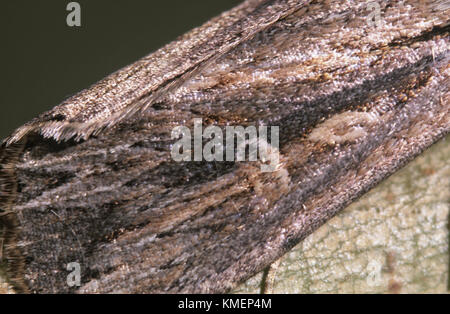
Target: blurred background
x,y
43,61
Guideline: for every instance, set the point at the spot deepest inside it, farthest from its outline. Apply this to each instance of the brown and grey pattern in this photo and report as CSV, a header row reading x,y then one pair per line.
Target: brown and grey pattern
x,y
94,182
395,239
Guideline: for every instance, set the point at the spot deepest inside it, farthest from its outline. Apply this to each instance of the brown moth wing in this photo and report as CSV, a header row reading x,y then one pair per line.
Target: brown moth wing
x,y
137,86
354,103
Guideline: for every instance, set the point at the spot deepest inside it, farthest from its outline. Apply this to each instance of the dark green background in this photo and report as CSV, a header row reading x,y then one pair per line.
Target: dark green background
x,y
43,61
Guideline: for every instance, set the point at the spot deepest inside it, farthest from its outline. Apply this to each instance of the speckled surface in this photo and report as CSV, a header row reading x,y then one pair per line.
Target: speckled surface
x,y
353,104
393,240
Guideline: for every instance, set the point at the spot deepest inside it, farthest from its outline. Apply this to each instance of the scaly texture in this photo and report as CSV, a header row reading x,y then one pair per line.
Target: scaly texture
x,y
395,239
96,183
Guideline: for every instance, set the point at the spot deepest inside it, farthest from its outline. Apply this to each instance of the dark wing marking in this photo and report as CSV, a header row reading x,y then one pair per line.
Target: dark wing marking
x,y
354,103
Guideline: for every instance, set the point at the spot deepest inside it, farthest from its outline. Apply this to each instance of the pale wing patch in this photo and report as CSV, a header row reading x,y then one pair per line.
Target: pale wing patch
x,y
349,126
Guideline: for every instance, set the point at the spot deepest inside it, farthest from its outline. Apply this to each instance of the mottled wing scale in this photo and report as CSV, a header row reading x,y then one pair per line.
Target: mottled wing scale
x,y
93,181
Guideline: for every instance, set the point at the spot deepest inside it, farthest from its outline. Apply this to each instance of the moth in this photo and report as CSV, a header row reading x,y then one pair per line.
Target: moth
x,y
356,94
